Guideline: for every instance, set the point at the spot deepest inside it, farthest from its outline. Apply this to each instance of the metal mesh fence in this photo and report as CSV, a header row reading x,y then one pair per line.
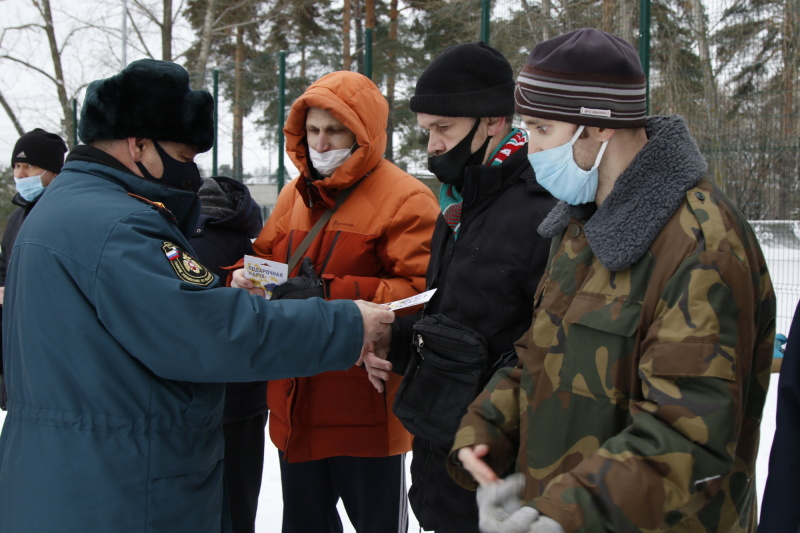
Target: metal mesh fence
x,y
730,67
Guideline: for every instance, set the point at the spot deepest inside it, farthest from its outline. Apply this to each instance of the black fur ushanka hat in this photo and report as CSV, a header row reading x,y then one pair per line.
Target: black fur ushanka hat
x,y
149,99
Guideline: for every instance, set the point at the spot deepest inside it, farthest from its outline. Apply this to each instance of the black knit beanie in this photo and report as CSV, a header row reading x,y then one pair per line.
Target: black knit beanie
x,y
586,77
466,80
40,148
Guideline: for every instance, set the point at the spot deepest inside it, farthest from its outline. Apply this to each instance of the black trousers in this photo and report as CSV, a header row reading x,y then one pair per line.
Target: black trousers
x,y
244,463
439,503
372,489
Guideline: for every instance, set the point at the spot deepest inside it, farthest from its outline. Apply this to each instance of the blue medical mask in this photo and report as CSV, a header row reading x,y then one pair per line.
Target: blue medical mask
x,y
29,188
557,171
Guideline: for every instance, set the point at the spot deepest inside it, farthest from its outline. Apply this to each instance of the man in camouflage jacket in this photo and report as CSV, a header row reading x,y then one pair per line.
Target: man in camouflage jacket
x,y
638,398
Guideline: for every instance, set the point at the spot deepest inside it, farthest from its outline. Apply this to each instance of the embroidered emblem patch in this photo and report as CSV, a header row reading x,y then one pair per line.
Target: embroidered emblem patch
x,y
187,267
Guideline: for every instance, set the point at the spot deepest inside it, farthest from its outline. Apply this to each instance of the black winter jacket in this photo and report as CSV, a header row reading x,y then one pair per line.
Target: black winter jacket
x,y
15,221
229,219
485,280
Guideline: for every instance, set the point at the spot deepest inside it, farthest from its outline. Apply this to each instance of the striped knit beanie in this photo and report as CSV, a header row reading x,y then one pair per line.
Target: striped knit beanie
x,y
466,80
585,77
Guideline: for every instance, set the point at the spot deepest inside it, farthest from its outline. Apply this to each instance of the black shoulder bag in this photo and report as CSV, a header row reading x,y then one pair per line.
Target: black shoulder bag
x,y
448,370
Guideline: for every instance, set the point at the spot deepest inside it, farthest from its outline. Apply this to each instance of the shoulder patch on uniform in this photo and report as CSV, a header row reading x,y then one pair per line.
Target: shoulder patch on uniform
x,y
187,267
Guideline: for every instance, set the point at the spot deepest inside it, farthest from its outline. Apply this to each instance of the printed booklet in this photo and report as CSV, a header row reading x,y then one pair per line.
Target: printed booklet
x,y
265,273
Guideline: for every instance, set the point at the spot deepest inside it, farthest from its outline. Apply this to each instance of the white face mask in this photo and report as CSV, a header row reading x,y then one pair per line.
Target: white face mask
x,y
327,162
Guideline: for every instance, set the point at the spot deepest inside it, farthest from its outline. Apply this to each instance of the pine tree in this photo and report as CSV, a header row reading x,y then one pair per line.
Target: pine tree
x,y
758,44
230,37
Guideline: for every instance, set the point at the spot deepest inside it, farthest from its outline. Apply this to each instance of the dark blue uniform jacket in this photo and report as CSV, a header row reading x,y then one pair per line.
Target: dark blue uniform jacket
x,y
116,344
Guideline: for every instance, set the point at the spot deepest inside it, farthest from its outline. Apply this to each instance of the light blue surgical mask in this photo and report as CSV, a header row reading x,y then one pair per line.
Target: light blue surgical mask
x,y
557,171
29,188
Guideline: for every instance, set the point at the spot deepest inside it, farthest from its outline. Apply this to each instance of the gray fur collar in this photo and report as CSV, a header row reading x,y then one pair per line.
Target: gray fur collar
x,y
644,197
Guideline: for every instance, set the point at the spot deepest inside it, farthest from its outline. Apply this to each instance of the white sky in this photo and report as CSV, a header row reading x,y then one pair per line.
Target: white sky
x,y
91,54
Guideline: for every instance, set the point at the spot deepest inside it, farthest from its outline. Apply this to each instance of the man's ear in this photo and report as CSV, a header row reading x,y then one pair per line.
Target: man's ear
x,y
495,125
136,147
600,134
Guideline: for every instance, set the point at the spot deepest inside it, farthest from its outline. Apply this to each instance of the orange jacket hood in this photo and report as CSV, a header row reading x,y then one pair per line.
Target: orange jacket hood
x,y
356,102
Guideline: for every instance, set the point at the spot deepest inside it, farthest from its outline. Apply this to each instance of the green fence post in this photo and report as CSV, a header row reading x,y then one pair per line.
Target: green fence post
x,y
368,53
486,8
215,75
281,118
74,122
644,47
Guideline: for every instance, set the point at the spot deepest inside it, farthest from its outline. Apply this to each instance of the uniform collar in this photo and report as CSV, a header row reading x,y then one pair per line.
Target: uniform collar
x,y
183,205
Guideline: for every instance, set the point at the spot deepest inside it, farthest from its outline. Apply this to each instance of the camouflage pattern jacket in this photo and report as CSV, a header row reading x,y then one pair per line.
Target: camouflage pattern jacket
x,y
637,401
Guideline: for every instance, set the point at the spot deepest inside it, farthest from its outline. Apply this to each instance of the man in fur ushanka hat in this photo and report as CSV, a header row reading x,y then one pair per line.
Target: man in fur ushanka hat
x,y
643,376
118,341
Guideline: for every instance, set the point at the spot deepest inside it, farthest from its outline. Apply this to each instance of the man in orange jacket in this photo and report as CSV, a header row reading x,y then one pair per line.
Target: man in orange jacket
x,y
337,436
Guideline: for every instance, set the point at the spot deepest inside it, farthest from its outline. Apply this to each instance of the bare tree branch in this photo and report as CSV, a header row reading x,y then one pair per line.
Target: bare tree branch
x,y
30,66
55,56
234,7
68,37
139,35
23,27
11,115
222,29
147,13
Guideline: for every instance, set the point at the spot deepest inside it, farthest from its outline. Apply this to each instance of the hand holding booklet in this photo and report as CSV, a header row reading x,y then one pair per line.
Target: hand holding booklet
x,y
264,273
268,275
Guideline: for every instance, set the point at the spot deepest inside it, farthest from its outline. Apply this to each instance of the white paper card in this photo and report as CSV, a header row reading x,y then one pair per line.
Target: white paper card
x,y
420,298
265,273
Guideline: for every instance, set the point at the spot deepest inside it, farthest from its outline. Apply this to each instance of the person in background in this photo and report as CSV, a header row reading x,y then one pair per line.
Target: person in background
x,y
485,259
229,219
638,398
36,159
779,509
118,340
336,436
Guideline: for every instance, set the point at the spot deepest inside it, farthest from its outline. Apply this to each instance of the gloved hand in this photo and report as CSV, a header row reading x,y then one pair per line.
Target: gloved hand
x,y
500,510
305,285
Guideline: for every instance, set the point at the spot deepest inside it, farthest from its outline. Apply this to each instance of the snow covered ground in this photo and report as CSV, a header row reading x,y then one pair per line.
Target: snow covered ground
x,y
270,503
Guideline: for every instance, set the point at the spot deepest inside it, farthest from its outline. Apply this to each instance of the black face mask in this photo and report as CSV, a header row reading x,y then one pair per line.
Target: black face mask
x,y
178,175
449,167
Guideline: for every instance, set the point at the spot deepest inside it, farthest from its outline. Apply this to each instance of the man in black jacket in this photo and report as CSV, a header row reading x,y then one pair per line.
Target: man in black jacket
x,y
36,159
486,257
229,218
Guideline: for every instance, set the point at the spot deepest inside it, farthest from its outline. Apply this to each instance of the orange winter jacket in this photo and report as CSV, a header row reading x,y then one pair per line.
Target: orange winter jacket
x,y
375,247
